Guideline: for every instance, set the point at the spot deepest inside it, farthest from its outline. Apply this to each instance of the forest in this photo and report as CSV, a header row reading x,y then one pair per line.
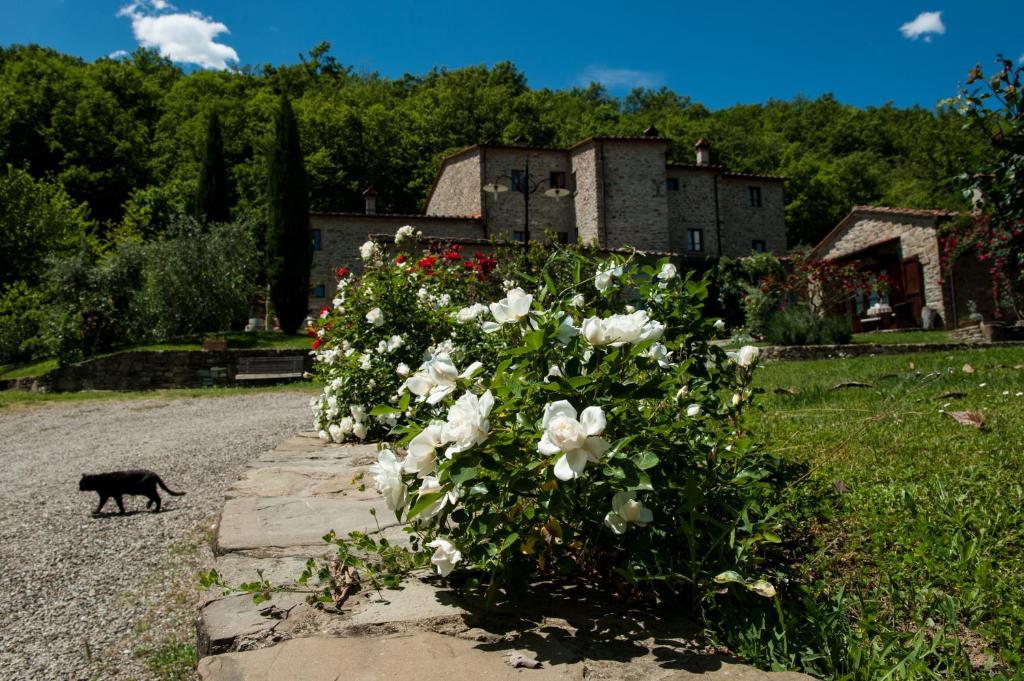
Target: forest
x,y
120,140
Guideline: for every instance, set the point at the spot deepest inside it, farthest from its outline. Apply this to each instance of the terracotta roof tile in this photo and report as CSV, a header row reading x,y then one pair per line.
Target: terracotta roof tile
x,y
400,216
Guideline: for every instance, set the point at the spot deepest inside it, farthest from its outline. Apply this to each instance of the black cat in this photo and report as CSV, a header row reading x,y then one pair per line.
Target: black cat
x,y
119,483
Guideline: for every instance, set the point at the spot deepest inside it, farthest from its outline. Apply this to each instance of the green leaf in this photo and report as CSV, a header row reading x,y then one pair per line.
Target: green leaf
x,y
729,576
382,409
509,540
645,460
463,475
422,503
534,340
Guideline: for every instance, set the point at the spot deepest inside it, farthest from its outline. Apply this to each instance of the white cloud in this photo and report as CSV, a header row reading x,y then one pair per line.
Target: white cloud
x,y
117,54
926,24
186,37
616,78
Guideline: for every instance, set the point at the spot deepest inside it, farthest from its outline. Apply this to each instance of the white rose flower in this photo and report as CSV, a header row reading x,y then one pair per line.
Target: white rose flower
x,y
422,450
430,485
720,325
445,557
747,355
402,369
513,307
394,343
617,330
668,271
358,412
471,313
693,410
660,354
324,435
387,476
736,399
578,300
603,278
577,440
566,331
359,430
467,424
406,233
375,317
626,511
434,380
382,347
364,362
368,250
346,425
335,430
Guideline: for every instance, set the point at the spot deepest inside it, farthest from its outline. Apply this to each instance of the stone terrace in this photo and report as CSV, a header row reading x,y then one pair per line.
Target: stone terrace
x,y
273,520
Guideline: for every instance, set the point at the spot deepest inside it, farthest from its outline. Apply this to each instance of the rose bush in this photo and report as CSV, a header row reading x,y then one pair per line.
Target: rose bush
x,y
396,333
604,440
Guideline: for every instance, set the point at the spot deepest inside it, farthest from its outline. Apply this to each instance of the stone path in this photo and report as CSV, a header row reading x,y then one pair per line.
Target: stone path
x,y
273,520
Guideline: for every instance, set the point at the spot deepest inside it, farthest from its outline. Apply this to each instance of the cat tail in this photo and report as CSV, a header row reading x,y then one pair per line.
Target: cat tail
x,y
167,489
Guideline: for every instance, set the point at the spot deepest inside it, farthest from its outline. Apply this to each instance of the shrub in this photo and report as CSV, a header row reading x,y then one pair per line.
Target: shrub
x,y
799,325
19,321
199,279
605,445
382,325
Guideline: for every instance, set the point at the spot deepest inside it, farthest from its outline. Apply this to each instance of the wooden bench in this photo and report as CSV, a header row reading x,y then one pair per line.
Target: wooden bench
x,y
269,368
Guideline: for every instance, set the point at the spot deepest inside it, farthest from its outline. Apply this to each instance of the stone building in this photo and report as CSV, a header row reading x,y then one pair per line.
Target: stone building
x,y
615,192
903,244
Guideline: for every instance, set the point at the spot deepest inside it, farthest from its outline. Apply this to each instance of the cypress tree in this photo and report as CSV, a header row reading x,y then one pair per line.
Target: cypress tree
x,y
289,248
212,200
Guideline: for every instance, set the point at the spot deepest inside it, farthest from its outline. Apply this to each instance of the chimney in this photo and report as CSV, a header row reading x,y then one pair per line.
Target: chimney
x,y
370,196
703,148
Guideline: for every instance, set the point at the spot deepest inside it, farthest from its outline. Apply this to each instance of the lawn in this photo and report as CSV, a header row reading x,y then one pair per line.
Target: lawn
x,y
268,340
919,542
901,337
21,398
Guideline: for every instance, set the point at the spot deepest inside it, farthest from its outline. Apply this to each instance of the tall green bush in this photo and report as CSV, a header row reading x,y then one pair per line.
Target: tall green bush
x,y
213,194
19,321
800,325
199,280
289,249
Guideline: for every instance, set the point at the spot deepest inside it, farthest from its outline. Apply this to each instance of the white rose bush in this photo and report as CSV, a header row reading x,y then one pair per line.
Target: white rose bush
x,y
394,335
590,431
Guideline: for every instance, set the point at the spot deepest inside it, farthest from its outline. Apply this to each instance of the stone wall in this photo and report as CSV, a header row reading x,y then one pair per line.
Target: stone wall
x,y
457,190
917,237
692,206
504,211
151,370
635,205
589,190
341,235
742,223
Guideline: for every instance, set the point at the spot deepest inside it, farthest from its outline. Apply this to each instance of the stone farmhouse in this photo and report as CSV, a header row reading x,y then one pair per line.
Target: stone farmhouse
x,y
903,244
615,192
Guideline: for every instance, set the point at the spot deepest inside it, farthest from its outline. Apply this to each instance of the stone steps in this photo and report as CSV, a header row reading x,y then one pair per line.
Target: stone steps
x,y
274,518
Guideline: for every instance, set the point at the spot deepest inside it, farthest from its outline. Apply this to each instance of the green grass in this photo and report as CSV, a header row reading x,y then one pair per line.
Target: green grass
x,y
170,660
21,398
922,554
901,337
259,340
33,369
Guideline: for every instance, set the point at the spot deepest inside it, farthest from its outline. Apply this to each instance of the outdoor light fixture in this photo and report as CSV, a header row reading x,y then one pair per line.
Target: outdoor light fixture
x,y
528,187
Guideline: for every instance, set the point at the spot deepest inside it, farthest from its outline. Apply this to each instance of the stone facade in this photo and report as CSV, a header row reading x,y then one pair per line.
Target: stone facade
x,y
623,194
341,235
869,227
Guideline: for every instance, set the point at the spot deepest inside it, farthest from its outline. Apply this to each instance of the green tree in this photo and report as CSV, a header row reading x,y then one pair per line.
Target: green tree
x,y
37,219
289,251
213,193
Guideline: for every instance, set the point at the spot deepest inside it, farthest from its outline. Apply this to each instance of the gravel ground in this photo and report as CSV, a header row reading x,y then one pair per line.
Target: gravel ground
x,y
81,596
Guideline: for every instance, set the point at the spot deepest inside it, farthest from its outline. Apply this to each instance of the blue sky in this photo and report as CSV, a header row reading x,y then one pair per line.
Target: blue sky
x,y
718,53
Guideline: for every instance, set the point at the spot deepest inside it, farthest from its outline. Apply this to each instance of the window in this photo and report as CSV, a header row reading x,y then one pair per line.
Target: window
x,y
316,239
755,196
518,181
672,184
563,237
695,240
557,179
320,291
759,246
519,237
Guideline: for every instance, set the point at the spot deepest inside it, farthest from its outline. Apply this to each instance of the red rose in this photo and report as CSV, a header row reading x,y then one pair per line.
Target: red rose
x,y
317,343
341,272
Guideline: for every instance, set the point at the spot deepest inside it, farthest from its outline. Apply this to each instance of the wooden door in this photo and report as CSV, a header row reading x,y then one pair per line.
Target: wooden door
x,y
913,288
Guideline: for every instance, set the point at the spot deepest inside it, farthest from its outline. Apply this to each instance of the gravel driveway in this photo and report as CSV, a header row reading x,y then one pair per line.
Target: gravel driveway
x,y
78,594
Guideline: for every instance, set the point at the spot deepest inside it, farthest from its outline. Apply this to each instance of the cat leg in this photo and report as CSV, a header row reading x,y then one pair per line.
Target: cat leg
x,y
120,503
155,499
103,500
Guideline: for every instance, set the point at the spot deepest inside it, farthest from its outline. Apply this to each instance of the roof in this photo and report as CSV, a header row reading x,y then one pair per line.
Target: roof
x,y
617,138
399,216
723,172
463,240
858,211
